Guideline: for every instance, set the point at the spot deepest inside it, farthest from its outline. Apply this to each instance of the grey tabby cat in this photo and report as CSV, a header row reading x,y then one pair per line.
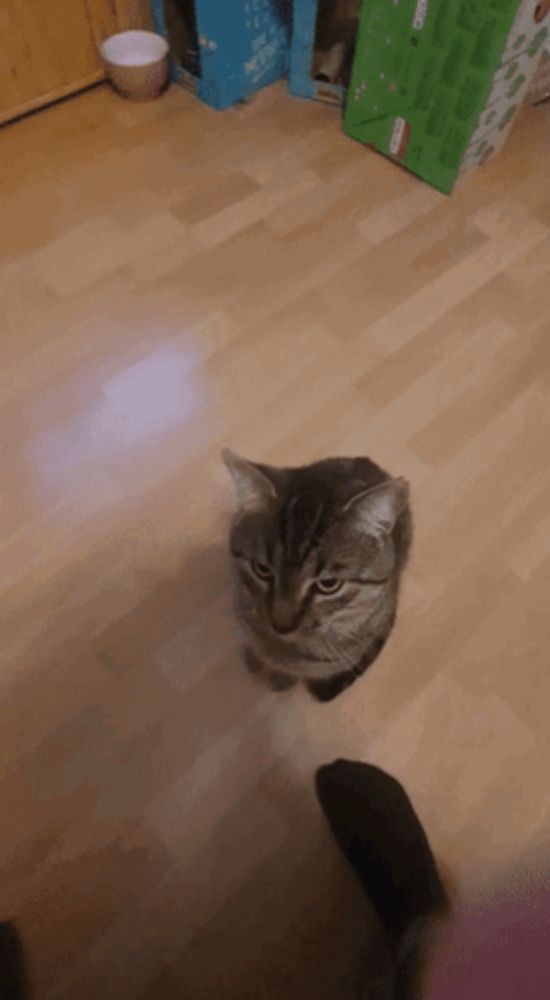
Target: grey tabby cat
x,y
318,553
336,30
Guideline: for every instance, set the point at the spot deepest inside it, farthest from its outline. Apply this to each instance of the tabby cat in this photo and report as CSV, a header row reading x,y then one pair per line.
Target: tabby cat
x,y
335,34
318,553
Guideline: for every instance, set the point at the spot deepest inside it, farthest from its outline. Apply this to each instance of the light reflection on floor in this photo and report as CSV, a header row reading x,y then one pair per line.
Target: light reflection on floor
x,y
134,409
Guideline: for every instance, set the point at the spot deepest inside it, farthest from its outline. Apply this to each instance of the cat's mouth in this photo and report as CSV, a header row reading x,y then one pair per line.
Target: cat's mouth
x,y
305,642
295,634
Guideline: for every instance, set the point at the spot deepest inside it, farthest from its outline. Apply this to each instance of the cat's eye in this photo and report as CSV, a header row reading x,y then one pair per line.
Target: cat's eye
x,y
328,584
262,570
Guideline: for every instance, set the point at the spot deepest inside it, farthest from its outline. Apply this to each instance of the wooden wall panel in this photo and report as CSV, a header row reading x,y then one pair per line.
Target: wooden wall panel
x,y
133,14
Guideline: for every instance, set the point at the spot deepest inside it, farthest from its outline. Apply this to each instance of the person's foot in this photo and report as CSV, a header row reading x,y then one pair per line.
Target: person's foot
x,y
376,827
13,981
378,831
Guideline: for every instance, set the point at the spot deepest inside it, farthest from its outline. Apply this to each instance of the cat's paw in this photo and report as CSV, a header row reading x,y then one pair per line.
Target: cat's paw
x,y
252,662
330,689
276,681
280,682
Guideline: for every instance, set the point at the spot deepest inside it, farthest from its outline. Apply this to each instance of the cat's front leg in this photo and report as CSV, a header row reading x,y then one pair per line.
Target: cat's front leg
x,y
252,662
280,682
277,681
326,690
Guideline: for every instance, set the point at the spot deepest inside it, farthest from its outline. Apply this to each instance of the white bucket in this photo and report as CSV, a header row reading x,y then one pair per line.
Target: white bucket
x,y
136,63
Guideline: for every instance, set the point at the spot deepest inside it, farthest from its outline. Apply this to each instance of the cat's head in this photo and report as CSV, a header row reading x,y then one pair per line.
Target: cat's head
x,y
314,547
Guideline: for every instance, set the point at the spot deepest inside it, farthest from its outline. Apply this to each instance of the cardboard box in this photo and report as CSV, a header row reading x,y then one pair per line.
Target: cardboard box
x,y
436,84
321,51
225,51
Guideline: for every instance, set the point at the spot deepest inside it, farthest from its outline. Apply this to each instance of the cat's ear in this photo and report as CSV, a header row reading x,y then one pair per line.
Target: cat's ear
x,y
376,510
254,489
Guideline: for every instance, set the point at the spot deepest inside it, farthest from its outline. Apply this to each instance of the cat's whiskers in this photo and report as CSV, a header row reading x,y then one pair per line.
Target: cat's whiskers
x,y
339,653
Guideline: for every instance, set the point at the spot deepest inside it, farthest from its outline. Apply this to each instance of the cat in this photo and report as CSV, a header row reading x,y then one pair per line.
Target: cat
x,y
182,32
335,40
318,552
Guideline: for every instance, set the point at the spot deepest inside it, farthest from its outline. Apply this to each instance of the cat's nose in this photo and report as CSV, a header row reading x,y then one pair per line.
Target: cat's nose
x,y
283,617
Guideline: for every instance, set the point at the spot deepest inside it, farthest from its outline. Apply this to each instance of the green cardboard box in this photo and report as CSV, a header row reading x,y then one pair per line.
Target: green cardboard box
x,y
436,84
539,88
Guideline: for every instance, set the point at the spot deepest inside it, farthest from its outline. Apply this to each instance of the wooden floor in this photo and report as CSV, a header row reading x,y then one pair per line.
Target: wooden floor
x,y
174,279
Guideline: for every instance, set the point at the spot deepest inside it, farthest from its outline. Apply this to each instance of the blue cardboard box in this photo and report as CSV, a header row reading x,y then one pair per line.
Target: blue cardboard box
x,y
225,50
321,52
